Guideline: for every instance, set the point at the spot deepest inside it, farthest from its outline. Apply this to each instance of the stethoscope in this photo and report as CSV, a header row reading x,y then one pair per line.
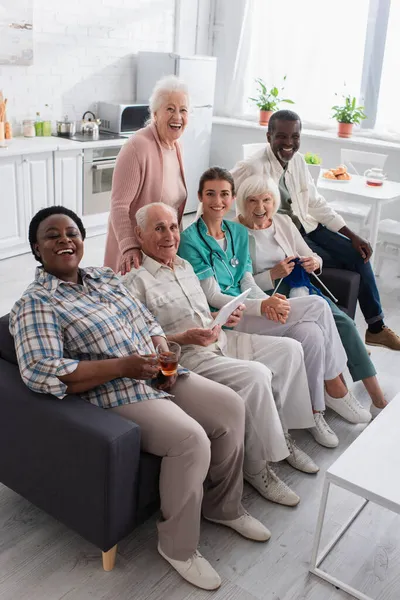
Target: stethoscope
x,y
234,262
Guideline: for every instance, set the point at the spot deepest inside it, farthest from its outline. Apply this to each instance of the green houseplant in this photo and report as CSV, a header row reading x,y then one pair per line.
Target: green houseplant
x,y
268,100
314,164
347,114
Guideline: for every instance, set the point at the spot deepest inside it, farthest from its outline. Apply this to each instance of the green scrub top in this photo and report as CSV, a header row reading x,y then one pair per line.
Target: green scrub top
x,y
209,260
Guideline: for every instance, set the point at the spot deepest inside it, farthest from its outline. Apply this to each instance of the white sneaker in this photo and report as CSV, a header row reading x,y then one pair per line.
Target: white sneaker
x,y
298,459
349,408
322,433
247,526
196,570
268,484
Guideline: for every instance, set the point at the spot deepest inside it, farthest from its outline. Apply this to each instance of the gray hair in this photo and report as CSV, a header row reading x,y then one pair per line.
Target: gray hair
x,y
255,186
142,215
165,86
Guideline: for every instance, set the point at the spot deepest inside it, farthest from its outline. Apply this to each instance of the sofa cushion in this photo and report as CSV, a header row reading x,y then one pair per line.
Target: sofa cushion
x,y
7,348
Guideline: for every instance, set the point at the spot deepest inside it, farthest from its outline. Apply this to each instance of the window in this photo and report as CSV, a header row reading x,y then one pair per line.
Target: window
x,y
318,45
388,117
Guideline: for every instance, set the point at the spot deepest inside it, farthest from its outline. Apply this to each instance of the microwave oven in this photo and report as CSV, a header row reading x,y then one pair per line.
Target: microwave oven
x,y
122,118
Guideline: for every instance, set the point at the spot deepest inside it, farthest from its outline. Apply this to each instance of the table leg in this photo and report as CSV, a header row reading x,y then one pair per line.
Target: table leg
x,y
320,524
375,219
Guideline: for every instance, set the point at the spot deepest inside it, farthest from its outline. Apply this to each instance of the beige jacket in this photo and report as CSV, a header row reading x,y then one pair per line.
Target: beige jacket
x,y
308,204
289,238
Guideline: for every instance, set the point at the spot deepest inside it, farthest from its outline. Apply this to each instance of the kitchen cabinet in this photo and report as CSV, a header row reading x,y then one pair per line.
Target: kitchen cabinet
x,y
68,179
13,221
38,182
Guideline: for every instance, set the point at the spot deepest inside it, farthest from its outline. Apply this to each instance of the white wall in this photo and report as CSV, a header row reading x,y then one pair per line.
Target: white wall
x,y
84,52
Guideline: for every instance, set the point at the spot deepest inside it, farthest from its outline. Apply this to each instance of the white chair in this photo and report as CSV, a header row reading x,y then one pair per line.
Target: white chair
x,y
388,244
250,149
357,213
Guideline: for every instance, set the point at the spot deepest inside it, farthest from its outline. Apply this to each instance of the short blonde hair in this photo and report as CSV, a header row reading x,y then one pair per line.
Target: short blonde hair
x,y
255,186
165,86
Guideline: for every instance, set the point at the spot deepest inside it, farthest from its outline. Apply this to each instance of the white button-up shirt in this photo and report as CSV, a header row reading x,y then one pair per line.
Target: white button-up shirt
x,y
308,204
175,297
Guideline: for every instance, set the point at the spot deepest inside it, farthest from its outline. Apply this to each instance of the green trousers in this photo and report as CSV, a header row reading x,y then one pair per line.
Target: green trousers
x,y
359,363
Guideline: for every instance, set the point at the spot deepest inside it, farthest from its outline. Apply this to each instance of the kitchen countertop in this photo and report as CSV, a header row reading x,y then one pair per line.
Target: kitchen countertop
x,y
23,145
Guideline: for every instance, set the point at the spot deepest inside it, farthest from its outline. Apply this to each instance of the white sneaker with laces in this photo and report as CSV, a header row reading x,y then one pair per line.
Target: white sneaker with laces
x,y
247,526
322,433
268,484
196,570
349,408
298,459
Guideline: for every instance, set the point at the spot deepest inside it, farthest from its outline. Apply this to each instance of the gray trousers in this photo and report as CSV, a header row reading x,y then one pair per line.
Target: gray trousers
x,y
200,435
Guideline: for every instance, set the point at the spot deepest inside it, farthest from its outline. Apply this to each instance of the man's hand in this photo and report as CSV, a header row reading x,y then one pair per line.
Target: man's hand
x,y
235,317
282,269
362,246
309,264
201,337
280,308
136,366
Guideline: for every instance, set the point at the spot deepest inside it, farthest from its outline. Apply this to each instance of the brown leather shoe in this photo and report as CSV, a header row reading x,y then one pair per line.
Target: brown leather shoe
x,y
385,338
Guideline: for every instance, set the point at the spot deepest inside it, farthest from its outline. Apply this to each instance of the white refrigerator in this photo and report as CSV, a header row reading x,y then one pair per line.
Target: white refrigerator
x,y
198,72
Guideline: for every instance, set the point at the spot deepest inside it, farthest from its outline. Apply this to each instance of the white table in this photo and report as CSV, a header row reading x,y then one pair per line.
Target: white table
x,y
361,192
368,468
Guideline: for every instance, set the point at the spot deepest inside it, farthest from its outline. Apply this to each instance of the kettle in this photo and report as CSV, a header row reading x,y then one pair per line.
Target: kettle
x,y
375,177
89,126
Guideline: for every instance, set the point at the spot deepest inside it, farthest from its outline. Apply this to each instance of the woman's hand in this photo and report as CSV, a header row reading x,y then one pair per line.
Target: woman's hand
x,y
235,317
131,258
276,308
201,337
136,366
309,264
282,269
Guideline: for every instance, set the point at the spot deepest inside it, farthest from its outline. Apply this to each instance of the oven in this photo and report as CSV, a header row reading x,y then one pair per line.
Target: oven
x,y
98,169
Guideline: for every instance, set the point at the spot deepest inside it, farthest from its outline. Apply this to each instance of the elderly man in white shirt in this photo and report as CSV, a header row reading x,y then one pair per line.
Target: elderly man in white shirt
x,y
268,373
325,231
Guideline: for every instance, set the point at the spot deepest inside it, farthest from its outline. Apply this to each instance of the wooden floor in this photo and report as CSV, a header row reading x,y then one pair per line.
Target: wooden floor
x,y
40,559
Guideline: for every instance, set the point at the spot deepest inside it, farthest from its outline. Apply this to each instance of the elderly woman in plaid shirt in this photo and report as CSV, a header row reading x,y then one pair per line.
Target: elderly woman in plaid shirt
x,y
80,331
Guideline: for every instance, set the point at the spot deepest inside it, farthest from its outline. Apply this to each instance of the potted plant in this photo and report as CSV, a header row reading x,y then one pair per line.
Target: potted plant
x,y
346,115
268,100
314,164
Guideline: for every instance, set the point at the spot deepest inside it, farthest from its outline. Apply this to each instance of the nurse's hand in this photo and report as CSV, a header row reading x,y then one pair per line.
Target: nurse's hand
x,y
201,337
280,308
235,317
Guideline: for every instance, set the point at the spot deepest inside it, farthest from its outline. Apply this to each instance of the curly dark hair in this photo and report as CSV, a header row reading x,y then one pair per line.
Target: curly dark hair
x,y
282,115
47,212
216,174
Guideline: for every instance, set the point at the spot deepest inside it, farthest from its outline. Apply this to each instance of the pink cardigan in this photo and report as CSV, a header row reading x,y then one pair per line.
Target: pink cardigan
x,y
137,181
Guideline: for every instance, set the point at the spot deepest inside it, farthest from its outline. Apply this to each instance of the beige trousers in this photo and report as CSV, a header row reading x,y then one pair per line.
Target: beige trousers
x,y
180,430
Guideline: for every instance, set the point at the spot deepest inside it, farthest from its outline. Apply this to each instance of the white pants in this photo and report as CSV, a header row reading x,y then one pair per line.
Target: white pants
x,y
310,322
269,375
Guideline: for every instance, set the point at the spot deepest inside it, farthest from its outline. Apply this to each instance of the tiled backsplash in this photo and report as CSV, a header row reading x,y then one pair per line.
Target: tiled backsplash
x,y
84,53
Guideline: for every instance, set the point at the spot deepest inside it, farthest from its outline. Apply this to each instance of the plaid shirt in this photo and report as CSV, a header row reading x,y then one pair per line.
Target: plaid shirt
x,y
56,324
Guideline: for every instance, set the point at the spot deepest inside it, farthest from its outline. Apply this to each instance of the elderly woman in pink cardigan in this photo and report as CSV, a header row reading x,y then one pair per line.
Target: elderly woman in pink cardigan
x,y
149,169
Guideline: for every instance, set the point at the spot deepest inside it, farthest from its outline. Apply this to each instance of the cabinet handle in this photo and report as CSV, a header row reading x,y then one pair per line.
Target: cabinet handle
x,y
25,160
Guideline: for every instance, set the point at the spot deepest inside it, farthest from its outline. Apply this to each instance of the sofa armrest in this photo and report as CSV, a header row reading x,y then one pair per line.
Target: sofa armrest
x,y
77,462
344,285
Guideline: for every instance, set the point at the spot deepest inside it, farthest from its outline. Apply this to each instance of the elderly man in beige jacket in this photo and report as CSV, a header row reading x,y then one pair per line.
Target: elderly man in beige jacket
x,y
268,373
325,231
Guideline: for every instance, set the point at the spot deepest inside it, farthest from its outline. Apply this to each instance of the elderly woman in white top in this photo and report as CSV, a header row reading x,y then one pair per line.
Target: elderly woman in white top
x,y
274,241
149,169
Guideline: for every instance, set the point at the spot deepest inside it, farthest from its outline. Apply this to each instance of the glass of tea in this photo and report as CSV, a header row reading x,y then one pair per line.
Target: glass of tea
x,y
168,356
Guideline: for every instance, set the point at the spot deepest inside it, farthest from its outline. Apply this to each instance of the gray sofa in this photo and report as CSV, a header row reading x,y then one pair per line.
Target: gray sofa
x,y
79,463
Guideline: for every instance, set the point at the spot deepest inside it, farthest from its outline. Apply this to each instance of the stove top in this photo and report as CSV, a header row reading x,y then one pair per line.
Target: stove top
x,y
102,136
